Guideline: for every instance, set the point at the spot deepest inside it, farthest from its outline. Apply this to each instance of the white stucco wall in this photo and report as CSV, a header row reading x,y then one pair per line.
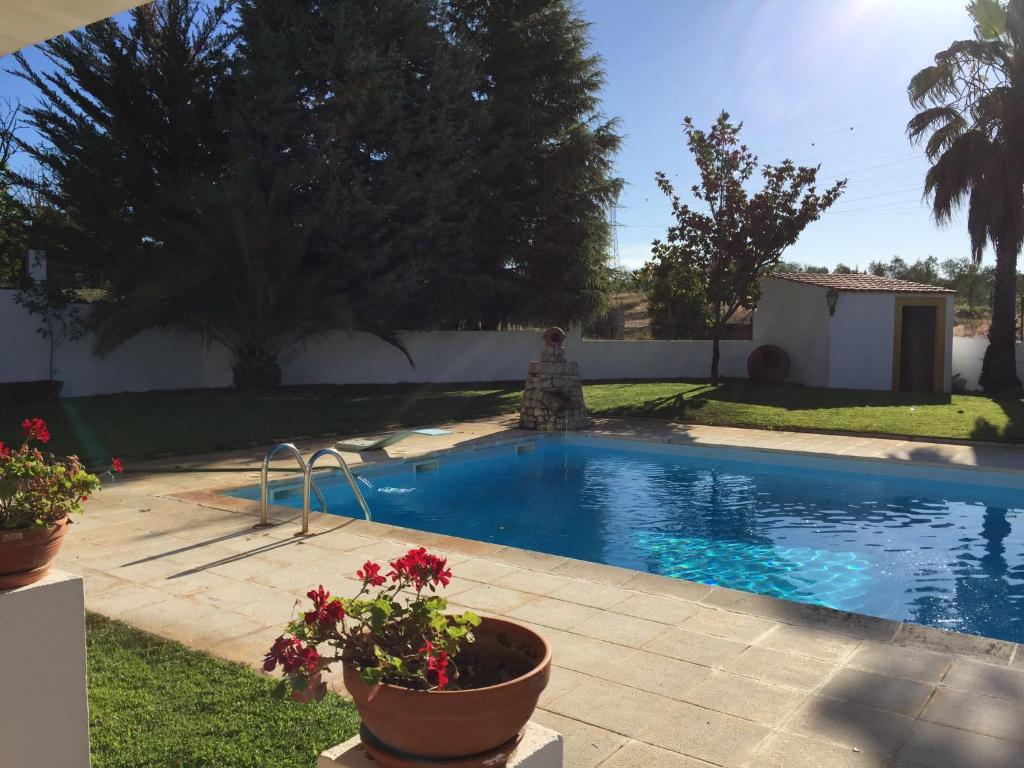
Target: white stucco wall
x,y
795,317
862,331
860,352
851,350
947,376
162,360
968,354
151,360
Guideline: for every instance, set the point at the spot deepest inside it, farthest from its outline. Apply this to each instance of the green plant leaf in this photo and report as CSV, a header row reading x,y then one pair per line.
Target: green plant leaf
x,y
989,17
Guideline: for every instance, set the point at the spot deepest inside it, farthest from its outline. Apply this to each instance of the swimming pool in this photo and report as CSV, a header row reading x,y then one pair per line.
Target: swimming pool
x,y
938,547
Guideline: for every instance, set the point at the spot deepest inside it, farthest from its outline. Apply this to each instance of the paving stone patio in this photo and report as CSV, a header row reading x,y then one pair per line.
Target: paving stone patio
x,y
649,671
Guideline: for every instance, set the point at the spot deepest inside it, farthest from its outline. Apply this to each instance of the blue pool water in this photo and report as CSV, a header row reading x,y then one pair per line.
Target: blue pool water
x,y
940,548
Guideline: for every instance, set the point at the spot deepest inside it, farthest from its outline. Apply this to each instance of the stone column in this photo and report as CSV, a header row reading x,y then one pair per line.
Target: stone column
x,y
553,395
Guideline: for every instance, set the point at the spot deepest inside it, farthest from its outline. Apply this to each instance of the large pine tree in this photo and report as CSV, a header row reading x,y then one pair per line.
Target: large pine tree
x,y
127,117
261,176
545,176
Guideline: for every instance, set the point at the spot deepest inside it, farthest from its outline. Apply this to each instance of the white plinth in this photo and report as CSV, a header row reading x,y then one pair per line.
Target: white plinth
x,y
44,712
540,748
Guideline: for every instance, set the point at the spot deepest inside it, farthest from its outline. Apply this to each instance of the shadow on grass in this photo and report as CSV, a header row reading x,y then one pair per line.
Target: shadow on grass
x,y
1012,430
146,425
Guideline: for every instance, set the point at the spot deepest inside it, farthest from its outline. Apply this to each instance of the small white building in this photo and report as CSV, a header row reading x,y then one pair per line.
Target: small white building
x,y
859,331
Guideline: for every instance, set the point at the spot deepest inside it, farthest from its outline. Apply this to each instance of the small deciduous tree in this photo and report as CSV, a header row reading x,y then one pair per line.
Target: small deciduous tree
x,y
59,317
721,254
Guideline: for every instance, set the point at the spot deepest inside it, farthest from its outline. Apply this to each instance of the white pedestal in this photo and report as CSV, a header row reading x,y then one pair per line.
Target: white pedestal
x,y
540,748
44,711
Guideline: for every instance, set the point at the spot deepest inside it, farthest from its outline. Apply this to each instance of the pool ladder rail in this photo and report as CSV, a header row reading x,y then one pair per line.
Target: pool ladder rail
x,y
308,485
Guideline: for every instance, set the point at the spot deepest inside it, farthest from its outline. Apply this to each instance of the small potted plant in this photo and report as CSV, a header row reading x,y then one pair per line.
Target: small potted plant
x,y
37,493
428,685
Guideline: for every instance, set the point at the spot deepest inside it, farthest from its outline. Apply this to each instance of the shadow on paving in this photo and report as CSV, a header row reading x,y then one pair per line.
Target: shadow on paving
x,y
878,714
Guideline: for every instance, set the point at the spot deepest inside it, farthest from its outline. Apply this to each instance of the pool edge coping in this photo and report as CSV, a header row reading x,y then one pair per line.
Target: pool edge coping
x,y
905,634
1000,653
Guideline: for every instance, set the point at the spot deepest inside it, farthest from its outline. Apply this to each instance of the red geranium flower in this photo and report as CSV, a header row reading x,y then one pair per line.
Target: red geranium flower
x,y
35,429
116,465
421,568
292,655
370,574
325,610
5,452
436,663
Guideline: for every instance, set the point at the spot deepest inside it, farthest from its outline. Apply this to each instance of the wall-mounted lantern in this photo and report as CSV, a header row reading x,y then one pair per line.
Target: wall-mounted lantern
x,y
832,297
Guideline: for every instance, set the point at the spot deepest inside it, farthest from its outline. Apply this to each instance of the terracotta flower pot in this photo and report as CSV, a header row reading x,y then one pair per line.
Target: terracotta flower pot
x,y
27,553
457,724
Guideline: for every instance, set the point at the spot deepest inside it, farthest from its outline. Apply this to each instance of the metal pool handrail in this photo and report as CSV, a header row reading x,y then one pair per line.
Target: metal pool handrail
x,y
265,471
307,483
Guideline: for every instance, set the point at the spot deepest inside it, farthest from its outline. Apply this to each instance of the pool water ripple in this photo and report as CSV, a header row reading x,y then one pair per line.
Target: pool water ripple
x,y
946,554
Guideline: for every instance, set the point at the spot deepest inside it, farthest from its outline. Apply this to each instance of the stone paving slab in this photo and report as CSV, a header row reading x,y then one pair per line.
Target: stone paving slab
x,y
649,671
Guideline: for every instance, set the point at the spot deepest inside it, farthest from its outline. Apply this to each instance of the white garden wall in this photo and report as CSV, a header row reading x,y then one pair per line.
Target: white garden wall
x,y
151,360
968,353
164,360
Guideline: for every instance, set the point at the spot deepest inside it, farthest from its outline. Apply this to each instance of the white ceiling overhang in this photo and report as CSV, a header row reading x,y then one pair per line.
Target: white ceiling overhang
x,y
27,22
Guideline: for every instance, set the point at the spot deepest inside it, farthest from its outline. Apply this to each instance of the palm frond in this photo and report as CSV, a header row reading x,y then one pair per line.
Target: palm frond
x,y
394,338
967,54
979,220
989,18
957,171
943,137
931,84
927,119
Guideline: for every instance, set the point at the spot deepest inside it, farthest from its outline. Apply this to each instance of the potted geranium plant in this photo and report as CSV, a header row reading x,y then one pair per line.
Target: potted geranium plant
x,y
37,493
428,685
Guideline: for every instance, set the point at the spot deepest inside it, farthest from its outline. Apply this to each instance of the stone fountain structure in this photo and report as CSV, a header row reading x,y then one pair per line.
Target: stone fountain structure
x,y
553,396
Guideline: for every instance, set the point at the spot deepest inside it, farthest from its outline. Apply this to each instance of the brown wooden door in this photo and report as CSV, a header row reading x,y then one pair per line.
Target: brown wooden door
x,y
917,349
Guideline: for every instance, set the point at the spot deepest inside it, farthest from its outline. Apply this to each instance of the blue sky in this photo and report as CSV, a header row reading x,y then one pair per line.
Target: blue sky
x,y
817,81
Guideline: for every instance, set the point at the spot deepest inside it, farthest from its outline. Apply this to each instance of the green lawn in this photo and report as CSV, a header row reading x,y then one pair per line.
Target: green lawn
x,y
149,424
157,704
787,406
144,425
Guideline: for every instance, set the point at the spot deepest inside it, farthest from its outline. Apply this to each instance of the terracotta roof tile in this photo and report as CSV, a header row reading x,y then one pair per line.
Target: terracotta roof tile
x,y
860,283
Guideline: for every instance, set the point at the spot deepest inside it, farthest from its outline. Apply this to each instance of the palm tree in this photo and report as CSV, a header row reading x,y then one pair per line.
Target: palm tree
x,y
240,271
971,104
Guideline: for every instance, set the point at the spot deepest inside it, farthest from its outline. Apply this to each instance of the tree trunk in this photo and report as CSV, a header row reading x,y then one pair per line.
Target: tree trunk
x,y
255,368
715,354
999,369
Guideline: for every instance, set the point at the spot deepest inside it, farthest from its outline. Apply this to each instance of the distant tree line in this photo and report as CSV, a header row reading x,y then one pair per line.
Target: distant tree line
x,y
264,171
